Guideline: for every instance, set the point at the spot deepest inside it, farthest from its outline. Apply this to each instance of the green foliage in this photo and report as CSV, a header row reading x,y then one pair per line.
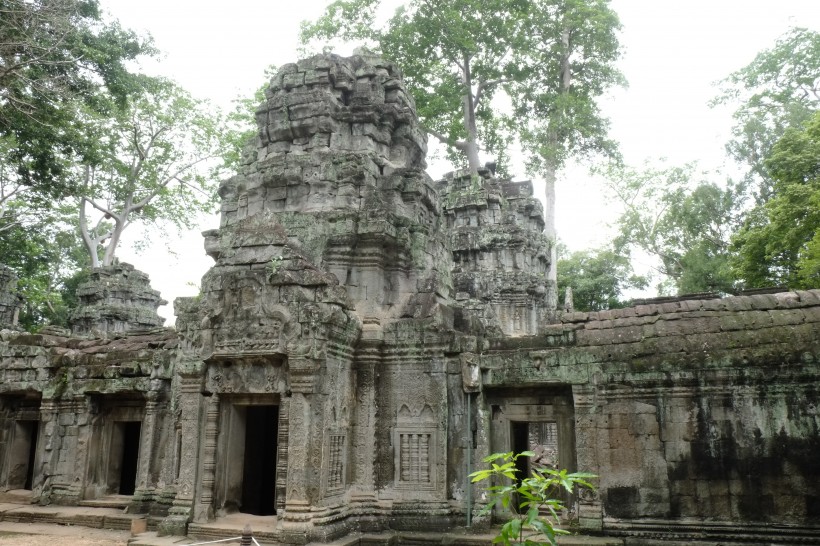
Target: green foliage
x,y
58,58
779,243
597,277
535,512
241,125
155,161
550,59
777,90
45,252
683,219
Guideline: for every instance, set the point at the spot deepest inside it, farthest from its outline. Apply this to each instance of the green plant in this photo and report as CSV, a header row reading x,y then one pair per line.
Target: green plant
x,y
532,501
273,265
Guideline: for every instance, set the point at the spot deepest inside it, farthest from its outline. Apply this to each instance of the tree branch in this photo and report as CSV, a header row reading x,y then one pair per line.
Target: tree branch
x,y
458,144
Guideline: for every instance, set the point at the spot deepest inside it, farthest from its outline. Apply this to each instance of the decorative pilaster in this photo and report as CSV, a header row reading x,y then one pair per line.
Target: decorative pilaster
x,y
186,448
590,514
145,491
44,475
296,519
206,497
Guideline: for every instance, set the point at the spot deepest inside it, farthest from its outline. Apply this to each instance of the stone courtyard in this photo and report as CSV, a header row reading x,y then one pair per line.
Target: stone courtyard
x,y
367,335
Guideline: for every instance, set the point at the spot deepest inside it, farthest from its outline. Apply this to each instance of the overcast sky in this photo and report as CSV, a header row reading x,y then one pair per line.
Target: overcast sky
x,y
673,53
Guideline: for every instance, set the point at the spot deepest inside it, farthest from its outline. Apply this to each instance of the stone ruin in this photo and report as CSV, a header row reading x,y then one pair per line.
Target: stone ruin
x,y
367,335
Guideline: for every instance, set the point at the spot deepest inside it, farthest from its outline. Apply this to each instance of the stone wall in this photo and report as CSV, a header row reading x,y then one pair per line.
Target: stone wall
x,y
693,413
116,298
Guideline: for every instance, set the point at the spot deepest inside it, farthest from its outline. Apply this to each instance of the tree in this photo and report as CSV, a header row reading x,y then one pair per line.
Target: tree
x,y
55,54
550,60
44,249
779,243
155,160
598,278
779,89
681,218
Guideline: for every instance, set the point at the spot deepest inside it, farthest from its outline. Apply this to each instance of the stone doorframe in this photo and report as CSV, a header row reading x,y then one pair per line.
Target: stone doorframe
x,y
20,415
249,380
229,447
106,410
533,405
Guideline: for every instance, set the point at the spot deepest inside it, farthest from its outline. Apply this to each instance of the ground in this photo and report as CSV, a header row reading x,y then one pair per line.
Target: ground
x,y
37,534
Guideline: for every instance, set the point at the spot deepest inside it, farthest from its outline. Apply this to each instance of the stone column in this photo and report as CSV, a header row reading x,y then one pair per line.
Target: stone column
x,y
590,514
145,490
304,450
48,451
204,509
67,442
363,453
187,414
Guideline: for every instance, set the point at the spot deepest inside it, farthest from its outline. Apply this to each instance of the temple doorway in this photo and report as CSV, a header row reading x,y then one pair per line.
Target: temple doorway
x,y
540,420
22,454
259,475
247,453
125,448
19,432
114,445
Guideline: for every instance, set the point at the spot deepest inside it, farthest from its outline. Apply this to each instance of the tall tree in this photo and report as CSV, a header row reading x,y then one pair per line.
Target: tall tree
x,y
779,243
779,89
549,60
598,278
683,219
54,54
156,160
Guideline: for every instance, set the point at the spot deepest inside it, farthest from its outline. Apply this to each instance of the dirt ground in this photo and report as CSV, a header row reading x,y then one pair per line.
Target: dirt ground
x,y
33,534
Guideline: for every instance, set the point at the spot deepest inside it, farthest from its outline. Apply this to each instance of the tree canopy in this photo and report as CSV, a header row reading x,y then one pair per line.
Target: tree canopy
x,y
55,55
683,219
779,89
157,159
598,278
779,243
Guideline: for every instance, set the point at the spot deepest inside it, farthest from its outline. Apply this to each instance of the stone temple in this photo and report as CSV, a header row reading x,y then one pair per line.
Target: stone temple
x,y
367,335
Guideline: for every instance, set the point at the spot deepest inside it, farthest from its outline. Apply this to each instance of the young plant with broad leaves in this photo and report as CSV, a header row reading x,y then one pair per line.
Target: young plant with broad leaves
x,y
533,503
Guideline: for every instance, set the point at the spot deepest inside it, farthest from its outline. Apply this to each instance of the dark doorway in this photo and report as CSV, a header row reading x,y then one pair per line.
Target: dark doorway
x,y
259,469
521,442
31,430
130,456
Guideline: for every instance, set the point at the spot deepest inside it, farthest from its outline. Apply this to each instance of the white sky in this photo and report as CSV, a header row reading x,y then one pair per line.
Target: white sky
x,y
674,52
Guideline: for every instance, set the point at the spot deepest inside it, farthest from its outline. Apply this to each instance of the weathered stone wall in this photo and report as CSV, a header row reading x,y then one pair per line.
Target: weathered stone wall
x,y
500,254
693,413
116,298
75,389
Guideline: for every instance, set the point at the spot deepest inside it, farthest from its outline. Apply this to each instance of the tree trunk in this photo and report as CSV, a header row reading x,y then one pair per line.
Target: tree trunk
x,y
550,232
550,169
89,243
471,148
108,257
